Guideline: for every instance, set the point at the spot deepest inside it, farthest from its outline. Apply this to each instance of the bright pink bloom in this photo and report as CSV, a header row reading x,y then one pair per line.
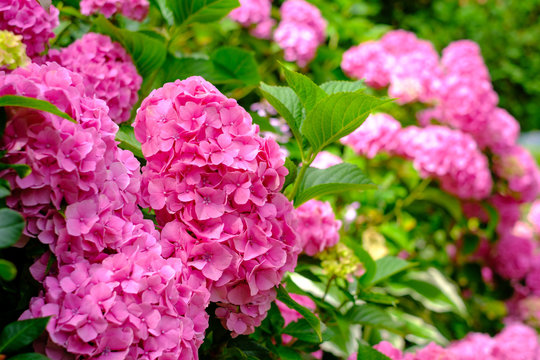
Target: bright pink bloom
x,y
514,256
317,228
389,350
325,159
255,12
133,9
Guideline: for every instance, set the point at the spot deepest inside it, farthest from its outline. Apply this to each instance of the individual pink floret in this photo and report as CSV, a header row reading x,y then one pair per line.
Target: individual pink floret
x,y
133,9
317,228
107,70
29,19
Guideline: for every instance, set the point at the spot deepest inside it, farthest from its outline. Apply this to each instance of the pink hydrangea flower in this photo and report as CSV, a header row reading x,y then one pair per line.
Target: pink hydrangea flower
x,y
255,12
317,228
369,61
474,346
389,350
534,216
107,70
301,30
325,159
214,184
133,9
516,342
29,19
378,133
514,256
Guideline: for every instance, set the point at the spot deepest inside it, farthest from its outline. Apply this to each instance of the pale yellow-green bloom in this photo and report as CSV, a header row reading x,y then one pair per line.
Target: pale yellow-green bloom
x,y
12,51
339,261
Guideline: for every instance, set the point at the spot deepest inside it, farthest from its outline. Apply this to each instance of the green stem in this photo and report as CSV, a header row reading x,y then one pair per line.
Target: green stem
x,y
303,168
328,286
408,200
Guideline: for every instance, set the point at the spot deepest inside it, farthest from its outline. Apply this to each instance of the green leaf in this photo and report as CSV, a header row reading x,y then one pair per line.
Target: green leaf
x,y
308,92
302,330
22,170
389,266
287,353
377,298
5,188
333,87
21,333
444,200
263,122
398,235
31,103
286,103
127,139
368,353
201,11
235,63
29,356
367,261
337,115
165,11
308,315
11,227
8,271
148,53
371,315
337,178
291,176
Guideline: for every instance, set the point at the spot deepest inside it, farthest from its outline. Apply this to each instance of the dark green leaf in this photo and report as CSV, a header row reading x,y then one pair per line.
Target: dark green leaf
x,y
28,102
308,315
287,353
337,115
389,266
371,315
444,200
235,63
368,353
377,298
5,189
263,122
8,271
333,87
127,139
22,170
29,356
302,330
308,92
165,11
338,178
21,333
286,103
291,176
202,11
11,227
148,53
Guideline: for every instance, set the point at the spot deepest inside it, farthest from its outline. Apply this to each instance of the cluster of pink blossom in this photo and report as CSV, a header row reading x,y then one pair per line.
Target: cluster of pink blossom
x,y
255,12
516,341
107,70
534,216
29,19
317,226
214,184
325,159
377,134
111,293
409,65
133,9
301,30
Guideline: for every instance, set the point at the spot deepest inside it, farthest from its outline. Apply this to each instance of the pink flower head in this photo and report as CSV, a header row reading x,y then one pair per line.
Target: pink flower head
x,y
389,350
514,256
107,70
369,61
325,159
133,9
318,228
222,212
534,216
516,342
378,133
255,12
301,30
29,19
473,346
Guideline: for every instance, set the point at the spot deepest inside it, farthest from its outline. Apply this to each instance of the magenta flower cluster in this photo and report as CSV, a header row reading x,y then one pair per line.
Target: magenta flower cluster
x,y
133,9
214,185
300,32
107,70
318,228
110,292
255,12
516,341
28,19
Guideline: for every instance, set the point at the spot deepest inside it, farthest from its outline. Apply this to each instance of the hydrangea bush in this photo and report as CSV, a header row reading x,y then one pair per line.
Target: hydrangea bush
x,y
248,180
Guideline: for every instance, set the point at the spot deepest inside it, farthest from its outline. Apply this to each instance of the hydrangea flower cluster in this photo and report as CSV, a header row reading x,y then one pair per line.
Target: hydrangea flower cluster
x,y
107,70
534,216
318,228
410,66
301,30
133,9
111,293
12,51
214,184
28,19
255,12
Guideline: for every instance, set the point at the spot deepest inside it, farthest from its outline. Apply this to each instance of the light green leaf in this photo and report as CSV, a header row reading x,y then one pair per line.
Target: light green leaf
x,y
11,227
377,298
371,315
291,176
389,266
336,116
312,320
308,92
29,356
201,11
368,353
286,103
302,330
22,170
21,333
398,235
8,271
263,122
338,178
148,53
5,188
333,87
31,103
126,137
235,63
165,11
367,261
